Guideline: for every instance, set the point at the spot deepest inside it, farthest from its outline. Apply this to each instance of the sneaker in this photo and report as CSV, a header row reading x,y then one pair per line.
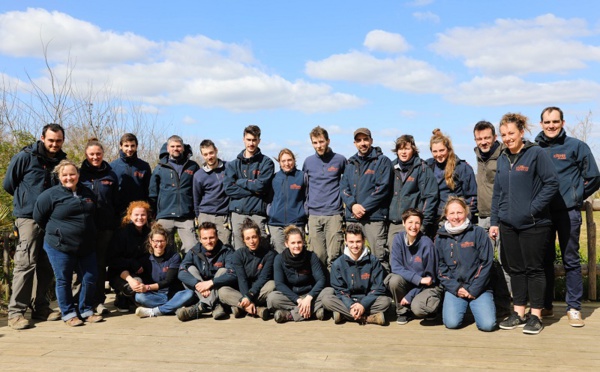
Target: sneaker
x,y
46,314
513,321
433,316
238,312
263,313
547,313
282,316
188,313
144,312
18,323
378,319
575,319
94,318
219,313
101,310
320,314
74,322
402,319
533,326
338,318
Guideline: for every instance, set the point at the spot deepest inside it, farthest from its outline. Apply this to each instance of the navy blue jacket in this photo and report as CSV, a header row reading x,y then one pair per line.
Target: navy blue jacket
x,y
253,269
127,250
104,183
134,179
208,263
417,188
465,260
294,283
368,181
289,192
68,220
578,175
163,271
414,262
357,281
248,183
523,191
29,173
171,193
323,175
209,193
465,185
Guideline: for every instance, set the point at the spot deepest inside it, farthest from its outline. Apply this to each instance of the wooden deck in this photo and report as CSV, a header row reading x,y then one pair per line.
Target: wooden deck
x,y
126,343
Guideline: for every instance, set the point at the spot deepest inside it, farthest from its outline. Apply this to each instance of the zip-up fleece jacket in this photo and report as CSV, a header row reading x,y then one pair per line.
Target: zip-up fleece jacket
x,y
103,182
127,250
357,281
170,193
289,192
523,191
253,269
414,262
208,263
417,190
368,181
67,219
134,179
294,283
465,186
29,173
162,270
323,175
486,173
248,183
578,175
465,260
209,193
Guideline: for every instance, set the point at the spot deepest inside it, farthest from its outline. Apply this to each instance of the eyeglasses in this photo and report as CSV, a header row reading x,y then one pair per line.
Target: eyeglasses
x,y
158,241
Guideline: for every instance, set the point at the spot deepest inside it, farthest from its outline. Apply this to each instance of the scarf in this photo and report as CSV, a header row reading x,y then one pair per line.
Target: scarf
x,y
300,261
458,229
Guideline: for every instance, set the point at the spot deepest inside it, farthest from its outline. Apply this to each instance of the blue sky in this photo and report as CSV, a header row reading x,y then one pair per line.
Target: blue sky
x,y
208,69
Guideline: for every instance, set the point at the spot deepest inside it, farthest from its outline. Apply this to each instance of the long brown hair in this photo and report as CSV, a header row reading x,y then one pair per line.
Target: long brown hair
x,y
439,137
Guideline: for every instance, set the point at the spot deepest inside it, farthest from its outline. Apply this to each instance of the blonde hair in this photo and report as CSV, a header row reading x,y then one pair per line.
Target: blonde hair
x,y
290,230
65,163
520,121
439,137
457,199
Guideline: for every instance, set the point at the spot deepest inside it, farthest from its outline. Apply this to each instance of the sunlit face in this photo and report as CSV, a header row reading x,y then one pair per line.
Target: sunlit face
x,y
251,239
139,217
320,144
53,142
355,244
439,152
363,144
405,153
129,148
295,243
551,123
69,177
413,226
251,144
94,155
159,244
485,139
209,154
175,149
208,238
286,162
512,137
456,214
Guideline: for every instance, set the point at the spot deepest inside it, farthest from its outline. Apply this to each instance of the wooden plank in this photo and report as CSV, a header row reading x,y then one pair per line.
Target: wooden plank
x,y
591,247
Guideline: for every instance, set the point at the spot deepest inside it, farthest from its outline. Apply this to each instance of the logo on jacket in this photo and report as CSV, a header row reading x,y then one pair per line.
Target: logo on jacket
x,y
293,186
410,179
256,172
467,244
138,174
218,264
88,200
106,182
418,259
332,169
303,272
560,156
370,171
365,276
189,171
260,266
522,168
165,269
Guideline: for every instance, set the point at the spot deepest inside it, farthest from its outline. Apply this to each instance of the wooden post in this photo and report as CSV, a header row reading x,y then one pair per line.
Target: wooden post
x,y
591,246
5,263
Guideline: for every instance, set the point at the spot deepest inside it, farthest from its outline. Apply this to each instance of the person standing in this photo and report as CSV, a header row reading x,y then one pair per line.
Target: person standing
x,y
578,178
29,173
323,172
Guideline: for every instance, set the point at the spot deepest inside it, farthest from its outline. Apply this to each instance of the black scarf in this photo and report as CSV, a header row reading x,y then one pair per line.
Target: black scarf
x,y
301,261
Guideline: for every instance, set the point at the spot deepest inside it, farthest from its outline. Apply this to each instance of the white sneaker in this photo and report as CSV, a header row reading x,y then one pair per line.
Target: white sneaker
x,y
101,310
144,312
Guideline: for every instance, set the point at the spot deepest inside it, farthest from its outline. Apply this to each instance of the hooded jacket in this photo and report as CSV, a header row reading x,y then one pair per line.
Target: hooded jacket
x,y
208,263
289,192
209,193
465,185
134,179
486,173
465,260
523,190
104,184
248,183
368,181
29,173
323,175
294,283
578,175
416,189
253,269
171,193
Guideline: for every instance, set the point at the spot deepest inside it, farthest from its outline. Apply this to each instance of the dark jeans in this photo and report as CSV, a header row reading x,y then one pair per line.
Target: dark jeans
x,y
523,253
64,265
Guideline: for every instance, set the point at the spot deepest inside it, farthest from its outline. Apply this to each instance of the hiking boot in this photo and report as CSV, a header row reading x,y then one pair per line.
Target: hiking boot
x,y
378,319
121,304
219,313
575,319
338,318
320,314
238,312
402,319
101,310
74,322
513,321
547,313
533,326
263,313
18,323
282,316
188,313
46,314
94,318
144,312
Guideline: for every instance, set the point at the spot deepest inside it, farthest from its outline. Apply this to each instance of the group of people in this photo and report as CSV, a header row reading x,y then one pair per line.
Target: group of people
x,y
422,232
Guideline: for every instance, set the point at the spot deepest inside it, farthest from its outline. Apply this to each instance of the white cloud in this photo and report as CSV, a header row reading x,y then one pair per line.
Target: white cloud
x,y
379,40
518,47
188,120
401,73
420,2
408,113
512,90
426,16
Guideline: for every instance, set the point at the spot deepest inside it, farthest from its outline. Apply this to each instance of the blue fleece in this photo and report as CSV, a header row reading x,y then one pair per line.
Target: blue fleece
x,y
104,183
294,283
253,270
465,185
208,263
323,175
289,192
209,193
134,179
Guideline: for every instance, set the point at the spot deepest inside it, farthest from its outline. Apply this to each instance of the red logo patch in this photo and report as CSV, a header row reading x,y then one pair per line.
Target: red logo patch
x,y
418,259
256,172
410,179
260,266
560,156
467,244
370,171
165,269
522,168
106,182
218,264
138,174
188,171
332,169
365,276
295,187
